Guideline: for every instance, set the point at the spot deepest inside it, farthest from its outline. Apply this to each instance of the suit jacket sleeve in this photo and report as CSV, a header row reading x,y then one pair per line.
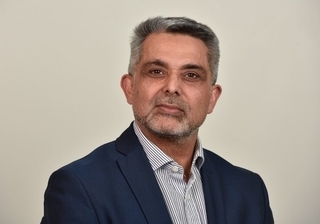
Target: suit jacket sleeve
x,y
66,201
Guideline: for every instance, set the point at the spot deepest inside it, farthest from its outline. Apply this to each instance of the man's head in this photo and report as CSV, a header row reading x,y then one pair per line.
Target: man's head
x,y
170,83
175,25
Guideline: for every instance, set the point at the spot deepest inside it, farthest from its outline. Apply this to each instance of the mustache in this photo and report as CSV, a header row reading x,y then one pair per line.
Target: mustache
x,y
172,101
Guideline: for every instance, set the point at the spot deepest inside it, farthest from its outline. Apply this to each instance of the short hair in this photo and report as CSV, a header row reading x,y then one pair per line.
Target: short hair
x,y
175,25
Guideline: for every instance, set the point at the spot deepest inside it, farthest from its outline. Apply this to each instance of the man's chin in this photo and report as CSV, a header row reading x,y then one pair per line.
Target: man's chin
x,y
170,132
167,127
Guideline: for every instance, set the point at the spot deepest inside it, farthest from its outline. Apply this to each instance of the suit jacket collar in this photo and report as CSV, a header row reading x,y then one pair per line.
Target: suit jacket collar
x,y
213,192
139,175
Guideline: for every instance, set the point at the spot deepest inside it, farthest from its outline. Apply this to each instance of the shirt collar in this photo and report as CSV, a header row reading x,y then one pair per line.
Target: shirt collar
x,y
158,158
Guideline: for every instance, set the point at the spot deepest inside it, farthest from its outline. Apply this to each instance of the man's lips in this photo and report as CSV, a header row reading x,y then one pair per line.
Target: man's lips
x,y
170,109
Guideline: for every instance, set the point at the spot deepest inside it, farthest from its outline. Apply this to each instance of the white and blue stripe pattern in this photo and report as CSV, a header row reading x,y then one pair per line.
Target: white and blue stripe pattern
x,y
185,201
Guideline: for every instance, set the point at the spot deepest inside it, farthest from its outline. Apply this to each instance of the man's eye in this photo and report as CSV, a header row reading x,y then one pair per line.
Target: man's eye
x,y
156,72
192,75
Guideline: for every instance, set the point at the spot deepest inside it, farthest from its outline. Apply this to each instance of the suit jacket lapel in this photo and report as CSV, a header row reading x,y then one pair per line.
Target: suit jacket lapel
x,y
213,193
139,174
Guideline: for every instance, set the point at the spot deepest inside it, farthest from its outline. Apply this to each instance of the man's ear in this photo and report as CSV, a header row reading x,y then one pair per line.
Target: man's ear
x,y
126,84
215,94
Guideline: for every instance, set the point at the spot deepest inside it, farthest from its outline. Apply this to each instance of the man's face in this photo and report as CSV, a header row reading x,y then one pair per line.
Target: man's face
x,y
171,91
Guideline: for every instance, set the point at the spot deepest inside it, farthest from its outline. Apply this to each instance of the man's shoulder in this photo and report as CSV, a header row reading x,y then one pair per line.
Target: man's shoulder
x,y
103,160
100,158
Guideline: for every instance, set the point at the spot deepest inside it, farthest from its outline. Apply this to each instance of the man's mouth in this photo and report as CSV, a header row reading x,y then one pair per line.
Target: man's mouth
x,y
170,109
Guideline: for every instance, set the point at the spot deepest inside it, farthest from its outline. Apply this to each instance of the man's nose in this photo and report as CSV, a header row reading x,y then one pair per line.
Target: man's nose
x,y
173,84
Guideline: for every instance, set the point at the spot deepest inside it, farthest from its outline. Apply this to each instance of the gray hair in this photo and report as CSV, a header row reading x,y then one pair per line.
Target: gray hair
x,y
175,25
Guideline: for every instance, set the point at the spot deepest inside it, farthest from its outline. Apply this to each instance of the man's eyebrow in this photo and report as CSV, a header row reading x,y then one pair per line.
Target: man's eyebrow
x,y
157,62
194,66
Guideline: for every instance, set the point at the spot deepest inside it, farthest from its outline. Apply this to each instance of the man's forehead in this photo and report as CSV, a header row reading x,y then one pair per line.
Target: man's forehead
x,y
162,48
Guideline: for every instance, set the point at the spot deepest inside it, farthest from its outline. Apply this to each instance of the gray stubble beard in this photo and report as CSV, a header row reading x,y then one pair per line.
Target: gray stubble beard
x,y
172,135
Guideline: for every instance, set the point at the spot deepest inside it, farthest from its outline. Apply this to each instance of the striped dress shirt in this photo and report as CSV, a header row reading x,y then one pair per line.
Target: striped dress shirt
x,y
185,201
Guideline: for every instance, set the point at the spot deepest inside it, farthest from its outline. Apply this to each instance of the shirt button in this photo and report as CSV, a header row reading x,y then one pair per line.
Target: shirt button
x,y
175,169
187,196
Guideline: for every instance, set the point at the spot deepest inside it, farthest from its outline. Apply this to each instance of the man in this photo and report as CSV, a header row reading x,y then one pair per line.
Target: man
x,y
157,170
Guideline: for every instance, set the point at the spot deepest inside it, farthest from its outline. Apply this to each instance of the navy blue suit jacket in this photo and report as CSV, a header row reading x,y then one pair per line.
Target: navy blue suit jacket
x,y
116,184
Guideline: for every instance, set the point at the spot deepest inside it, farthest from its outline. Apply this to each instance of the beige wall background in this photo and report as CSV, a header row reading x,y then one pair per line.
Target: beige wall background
x,y
60,66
